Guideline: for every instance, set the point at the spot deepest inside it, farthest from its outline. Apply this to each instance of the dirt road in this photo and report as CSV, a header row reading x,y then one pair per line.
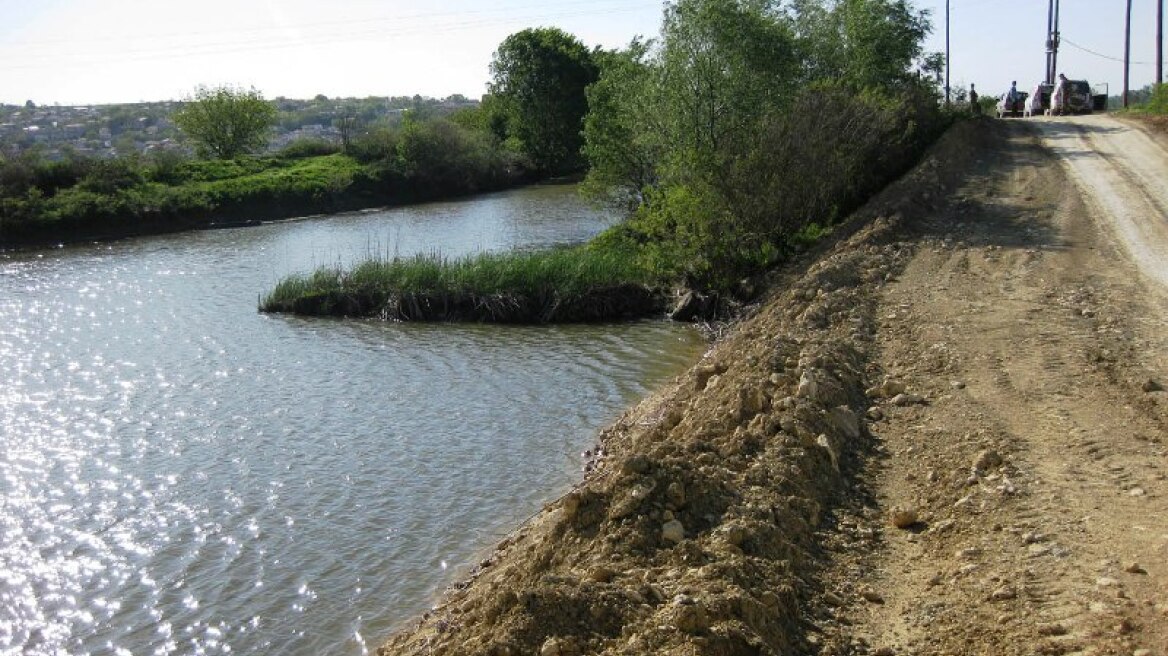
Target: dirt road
x,y
1032,320
1123,173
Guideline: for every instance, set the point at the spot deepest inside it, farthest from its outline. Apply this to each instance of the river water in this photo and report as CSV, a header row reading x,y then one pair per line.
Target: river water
x,y
180,474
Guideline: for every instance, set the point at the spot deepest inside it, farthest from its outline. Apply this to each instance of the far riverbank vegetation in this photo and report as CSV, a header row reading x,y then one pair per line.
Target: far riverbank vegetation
x,y
422,154
740,132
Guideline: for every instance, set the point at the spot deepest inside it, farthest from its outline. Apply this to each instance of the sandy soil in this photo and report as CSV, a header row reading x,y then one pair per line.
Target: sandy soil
x,y
1033,319
974,359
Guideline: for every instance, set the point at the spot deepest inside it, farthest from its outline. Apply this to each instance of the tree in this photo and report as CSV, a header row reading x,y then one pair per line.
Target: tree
x,y
347,125
619,136
882,39
226,122
539,76
724,65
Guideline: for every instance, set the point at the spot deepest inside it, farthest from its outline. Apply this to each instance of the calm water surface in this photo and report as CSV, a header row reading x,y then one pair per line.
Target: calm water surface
x,y
182,475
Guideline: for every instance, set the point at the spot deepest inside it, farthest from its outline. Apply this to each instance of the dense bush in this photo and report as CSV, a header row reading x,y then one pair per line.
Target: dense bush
x,y
379,144
302,148
1158,102
742,127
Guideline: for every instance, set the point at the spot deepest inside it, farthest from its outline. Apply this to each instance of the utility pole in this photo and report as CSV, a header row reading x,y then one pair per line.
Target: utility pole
x,y
1049,42
1055,39
1127,53
946,53
1052,40
1160,42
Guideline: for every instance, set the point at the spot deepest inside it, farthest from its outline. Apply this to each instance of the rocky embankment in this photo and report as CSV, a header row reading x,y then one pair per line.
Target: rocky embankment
x,y
694,532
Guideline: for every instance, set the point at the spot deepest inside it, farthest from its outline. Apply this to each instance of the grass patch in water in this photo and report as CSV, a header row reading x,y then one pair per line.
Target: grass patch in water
x,y
565,284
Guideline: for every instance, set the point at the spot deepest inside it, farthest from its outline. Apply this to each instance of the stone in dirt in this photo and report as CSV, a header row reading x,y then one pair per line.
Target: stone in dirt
x,y
808,387
871,596
987,460
689,617
1004,593
892,387
844,421
703,374
673,531
907,399
1151,385
903,517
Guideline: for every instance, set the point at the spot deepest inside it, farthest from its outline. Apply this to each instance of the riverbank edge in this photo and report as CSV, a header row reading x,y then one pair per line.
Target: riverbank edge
x,y
624,302
249,212
694,530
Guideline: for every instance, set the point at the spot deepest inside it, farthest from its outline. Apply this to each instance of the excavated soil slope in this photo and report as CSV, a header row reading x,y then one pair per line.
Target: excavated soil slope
x,y
967,361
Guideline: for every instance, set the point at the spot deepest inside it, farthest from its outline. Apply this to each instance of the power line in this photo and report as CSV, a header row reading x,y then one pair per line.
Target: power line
x,y
1101,55
277,42
547,11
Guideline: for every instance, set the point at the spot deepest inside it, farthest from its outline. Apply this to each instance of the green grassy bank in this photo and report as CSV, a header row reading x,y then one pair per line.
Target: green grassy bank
x,y
205,194
81,199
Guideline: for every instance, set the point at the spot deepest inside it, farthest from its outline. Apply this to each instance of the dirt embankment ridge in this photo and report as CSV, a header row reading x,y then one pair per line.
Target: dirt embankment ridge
x,y
875,461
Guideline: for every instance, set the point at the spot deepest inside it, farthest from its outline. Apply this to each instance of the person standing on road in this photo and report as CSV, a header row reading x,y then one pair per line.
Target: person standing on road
x,y
973,106
1012,95
1058,101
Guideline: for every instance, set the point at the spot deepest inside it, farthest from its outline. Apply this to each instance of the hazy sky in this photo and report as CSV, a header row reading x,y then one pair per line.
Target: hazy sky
x,y
93,51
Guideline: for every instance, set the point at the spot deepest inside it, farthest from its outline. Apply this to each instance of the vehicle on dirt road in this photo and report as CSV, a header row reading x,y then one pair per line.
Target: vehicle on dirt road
x,y
1082,98
1016,107
1078,99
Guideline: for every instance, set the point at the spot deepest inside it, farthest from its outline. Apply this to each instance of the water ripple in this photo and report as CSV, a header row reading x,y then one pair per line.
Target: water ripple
x,y
181,475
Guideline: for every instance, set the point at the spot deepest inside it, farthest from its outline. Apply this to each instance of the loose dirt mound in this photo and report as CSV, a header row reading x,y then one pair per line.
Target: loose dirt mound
x,y
696,531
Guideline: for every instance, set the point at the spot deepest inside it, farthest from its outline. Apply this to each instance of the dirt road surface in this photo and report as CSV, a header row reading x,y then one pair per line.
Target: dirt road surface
x,y
1032,321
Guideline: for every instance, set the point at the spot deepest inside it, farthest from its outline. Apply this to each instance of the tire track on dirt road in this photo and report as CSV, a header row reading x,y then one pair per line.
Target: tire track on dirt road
x,y
1124,174
1036,466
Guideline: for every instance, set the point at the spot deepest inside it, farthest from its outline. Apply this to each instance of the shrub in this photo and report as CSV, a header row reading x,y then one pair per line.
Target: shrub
x,y
165,166
110,175
302,148
1158,103
377,145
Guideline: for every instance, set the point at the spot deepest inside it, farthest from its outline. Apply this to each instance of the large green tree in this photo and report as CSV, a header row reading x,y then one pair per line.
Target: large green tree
x,y
539,77
225,122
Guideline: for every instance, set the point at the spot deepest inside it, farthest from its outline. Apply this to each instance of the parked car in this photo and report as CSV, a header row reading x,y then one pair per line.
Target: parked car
x,y
1017,107
1081,98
